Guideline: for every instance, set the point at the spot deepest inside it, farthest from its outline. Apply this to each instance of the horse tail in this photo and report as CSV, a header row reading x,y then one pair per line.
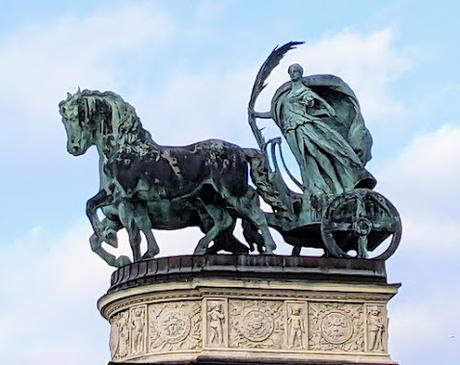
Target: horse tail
x,y
269,183
258,167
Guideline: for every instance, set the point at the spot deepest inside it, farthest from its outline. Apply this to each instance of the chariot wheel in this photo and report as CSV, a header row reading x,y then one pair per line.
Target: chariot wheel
x,y
360,220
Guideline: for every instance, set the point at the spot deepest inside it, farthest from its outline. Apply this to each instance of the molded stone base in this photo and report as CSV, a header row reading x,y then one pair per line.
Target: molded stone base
x,y
210,361
249,310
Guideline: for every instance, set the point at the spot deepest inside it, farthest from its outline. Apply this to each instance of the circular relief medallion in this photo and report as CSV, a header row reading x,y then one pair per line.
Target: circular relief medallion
x,y
256,325
336,328
174,326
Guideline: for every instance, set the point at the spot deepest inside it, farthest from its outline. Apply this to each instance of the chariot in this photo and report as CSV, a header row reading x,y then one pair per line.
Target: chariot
x,y
337,210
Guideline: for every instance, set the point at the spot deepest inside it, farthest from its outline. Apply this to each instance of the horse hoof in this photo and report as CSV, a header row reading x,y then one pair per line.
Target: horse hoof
x,y
149,255
111,239
122,261
268,251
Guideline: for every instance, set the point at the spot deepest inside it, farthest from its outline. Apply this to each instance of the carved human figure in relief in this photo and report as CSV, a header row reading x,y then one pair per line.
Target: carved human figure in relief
x,y
122,327
215,325
376,327
137,326
296,328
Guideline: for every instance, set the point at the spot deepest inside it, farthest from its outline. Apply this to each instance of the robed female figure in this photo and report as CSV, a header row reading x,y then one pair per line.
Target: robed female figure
x,y
326,133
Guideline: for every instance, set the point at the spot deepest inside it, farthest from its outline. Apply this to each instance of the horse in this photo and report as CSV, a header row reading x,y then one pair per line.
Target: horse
x,y
145,186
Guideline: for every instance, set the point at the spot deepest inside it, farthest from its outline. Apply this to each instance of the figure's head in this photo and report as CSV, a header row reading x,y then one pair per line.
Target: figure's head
x,y
295,71
217,307
76,122
138,312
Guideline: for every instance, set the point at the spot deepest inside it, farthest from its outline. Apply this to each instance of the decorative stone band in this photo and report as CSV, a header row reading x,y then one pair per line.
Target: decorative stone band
x,y
248,266
235,320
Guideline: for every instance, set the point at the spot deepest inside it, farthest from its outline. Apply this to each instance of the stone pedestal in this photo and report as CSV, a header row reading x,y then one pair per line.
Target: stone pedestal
x,y
249,309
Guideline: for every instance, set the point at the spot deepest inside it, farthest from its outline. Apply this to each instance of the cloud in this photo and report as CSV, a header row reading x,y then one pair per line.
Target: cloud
x,y
369,63
48,293
423,182
197,106
213,102
429,322
203,19
41,62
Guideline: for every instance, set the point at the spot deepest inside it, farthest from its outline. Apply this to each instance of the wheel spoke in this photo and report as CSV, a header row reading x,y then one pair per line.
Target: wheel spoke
x,y
362,247
341,226
360,207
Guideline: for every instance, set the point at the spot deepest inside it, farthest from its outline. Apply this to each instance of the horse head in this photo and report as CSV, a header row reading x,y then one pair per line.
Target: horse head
x,y
77,122
100,118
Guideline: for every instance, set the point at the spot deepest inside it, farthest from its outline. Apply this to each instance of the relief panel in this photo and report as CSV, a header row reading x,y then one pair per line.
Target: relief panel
x,y
120,336
174,326
377,328
336,327
256,324
138,324
216,322
296,325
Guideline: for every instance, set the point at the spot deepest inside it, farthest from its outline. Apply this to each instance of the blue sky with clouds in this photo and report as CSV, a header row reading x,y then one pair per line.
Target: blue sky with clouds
x,y
188,68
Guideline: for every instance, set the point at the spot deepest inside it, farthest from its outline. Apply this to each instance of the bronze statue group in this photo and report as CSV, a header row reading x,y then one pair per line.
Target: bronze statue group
x,y
145,186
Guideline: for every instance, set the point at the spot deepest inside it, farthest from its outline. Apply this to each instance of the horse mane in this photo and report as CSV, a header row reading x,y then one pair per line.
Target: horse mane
x,y
125,123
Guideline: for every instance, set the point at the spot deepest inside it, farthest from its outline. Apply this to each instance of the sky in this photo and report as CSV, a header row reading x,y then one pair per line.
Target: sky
x,y
188,68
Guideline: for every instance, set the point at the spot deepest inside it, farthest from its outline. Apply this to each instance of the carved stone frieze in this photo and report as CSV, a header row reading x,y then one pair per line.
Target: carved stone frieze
x,y
336,327
256,324
341,323
175,326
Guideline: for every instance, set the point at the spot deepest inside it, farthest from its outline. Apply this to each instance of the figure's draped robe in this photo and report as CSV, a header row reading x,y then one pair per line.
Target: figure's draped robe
x,y
328,162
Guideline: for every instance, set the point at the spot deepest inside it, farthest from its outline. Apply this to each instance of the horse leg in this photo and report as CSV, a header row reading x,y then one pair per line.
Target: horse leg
x,y
222,220
142,221
127,217
296,250
110,229
101,199
96,245
226,241
135,239
247,206
252,236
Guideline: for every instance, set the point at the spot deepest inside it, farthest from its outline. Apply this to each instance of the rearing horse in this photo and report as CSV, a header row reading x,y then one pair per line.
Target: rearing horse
x,y
144,185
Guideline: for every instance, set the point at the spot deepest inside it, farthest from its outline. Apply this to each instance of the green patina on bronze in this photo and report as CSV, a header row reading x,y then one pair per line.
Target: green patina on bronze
x,y
145,186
